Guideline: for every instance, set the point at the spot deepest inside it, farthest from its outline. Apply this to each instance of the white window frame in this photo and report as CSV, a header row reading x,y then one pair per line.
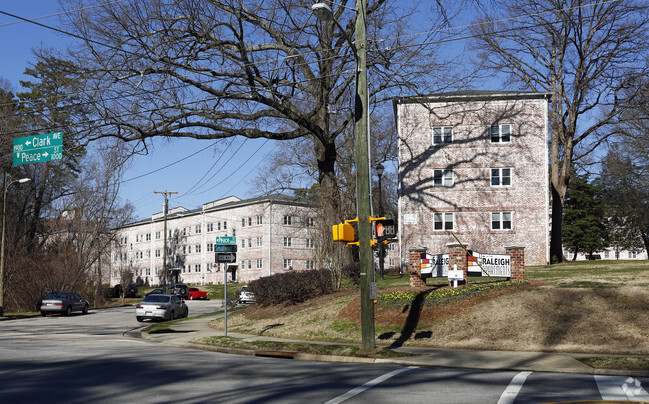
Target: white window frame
x,y
309,243
497,134
443,178
288,220
288,263
288,241
443,219
310,264
500,219
502,177
444,135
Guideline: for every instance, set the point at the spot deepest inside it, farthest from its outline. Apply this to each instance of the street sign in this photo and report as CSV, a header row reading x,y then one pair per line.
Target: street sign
x,y
38,149
221,240
232,248
226,257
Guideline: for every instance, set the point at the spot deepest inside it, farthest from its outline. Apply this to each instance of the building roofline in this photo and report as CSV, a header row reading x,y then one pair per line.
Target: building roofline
x,y
472,95
272,199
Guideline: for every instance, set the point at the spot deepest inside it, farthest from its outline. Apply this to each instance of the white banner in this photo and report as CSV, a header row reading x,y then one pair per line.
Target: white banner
x,y
434,265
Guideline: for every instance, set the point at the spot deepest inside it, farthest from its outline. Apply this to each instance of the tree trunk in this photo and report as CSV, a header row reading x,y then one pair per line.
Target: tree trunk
x,y
556,239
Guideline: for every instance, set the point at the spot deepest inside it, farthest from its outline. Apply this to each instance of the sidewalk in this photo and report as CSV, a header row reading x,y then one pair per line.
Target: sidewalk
x,y
186,331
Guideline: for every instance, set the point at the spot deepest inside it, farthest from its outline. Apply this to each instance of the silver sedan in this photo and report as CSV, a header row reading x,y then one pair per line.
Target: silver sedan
x,y
161,307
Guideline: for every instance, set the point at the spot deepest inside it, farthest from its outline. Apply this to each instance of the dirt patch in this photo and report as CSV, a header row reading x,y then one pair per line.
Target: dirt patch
x,y
424,315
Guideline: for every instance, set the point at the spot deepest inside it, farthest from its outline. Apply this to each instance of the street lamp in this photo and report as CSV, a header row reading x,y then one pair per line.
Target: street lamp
x,y
2,239
324,13
379,172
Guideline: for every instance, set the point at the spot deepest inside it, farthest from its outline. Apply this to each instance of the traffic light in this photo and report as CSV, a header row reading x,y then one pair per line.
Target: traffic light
x,y
343,232
385,229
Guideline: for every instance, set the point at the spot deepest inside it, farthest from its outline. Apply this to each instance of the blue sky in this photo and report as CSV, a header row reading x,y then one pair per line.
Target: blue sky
x,y
230,176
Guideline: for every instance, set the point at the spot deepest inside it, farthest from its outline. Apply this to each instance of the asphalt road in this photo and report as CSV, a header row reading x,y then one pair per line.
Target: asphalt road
x,y
89,359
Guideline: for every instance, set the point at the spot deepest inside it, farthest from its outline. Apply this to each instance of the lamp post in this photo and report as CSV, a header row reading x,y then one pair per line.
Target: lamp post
x,y
379,172
324,13
2,238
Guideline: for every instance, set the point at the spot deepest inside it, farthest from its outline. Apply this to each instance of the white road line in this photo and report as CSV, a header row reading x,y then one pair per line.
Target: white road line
x,y
510,393
368,385
621,388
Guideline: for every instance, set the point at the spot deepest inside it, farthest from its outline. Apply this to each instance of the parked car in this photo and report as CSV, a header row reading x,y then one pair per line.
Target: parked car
x,y
179,289
157,291
194,293
246,296
64,303
131,290
118,291
161,307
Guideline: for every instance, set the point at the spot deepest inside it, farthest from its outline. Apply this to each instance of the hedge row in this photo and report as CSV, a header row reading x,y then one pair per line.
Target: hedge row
x,y
291,287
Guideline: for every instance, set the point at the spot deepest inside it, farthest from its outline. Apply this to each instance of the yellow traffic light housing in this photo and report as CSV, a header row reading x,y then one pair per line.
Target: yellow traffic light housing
x,y
343,232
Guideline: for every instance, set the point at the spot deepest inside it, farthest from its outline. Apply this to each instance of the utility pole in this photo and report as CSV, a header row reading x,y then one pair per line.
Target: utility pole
x,y
363,179
164,248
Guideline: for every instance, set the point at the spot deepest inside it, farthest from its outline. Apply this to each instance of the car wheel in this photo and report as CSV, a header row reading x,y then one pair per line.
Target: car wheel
x,y
139,319
43,314
68,311
172,315
187,312
85,309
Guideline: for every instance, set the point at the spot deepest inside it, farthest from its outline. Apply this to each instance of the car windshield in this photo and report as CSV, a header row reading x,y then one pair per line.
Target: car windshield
x,y
157,299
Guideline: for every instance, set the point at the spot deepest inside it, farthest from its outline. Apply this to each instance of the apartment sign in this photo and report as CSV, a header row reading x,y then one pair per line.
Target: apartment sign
x,y
434,265
498,265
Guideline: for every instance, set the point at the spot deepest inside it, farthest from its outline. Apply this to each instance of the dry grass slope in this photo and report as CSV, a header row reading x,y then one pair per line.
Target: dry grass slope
x,y
596,307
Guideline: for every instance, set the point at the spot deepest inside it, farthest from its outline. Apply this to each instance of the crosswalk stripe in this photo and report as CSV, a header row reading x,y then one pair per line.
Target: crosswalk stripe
x,y
510,393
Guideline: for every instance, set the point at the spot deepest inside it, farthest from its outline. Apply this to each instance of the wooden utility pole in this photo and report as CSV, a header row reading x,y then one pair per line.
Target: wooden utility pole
x,y
164,248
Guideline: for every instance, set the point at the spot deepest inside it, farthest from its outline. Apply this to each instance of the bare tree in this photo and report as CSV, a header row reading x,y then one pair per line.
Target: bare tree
x,y
257,69
583,53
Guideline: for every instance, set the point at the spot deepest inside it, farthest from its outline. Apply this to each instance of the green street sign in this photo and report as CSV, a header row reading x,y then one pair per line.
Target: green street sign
x,y
38,149
226,240
225,248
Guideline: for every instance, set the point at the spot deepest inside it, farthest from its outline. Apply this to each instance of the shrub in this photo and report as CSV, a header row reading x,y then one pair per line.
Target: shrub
x,y
353,273
291,287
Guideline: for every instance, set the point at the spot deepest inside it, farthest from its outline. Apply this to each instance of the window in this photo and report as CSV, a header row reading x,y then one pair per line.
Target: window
x,y
157,253
218,226
606,254
288,241
249,242
210,247
225,225
260,263
392,262
249,264
259,241
288,220
249,221
157,235
288,263
198,248
500,133
185,231
198,229
501,220
243,222
210,227
148,237
501,177
443,221
633,254
392,246
197,268
309,243
442,135
260,220
309,264
442,178
310,222
243,243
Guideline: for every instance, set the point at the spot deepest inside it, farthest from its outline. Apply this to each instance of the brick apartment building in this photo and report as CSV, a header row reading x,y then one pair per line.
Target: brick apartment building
x,y
274,234
474,164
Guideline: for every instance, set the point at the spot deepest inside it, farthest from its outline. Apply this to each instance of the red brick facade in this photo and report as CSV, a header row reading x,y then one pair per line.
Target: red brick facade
x,y
487,183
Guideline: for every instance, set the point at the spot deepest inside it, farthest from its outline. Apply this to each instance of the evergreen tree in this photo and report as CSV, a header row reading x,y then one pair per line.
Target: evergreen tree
x,y
585,225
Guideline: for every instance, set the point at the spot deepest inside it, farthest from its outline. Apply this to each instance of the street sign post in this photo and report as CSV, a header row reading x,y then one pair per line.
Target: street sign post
x,y
38,149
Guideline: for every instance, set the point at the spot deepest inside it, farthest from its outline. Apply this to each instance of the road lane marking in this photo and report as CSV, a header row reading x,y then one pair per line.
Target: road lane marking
x,y
510,393
621,388
368,385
